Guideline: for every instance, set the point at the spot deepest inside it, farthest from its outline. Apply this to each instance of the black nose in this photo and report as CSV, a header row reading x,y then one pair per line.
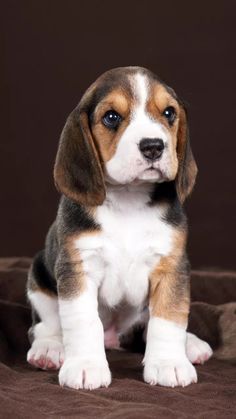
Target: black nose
x,y
151,148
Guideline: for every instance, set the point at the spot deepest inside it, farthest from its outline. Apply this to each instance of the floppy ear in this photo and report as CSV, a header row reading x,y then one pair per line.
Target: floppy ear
x,y
77,171
187,170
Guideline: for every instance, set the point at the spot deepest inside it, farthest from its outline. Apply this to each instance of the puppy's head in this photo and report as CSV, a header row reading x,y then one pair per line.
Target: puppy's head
x,y
128,128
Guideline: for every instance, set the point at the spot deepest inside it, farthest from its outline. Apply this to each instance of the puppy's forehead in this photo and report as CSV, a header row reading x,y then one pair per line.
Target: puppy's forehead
x,y
151,92
135,83
112,81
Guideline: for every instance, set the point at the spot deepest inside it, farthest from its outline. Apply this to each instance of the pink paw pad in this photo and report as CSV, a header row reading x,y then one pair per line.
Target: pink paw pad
x,y
46,355
198,351
202,358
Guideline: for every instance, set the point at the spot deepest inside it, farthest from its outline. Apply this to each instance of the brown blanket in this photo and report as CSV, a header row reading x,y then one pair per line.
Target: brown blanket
x,y
28,393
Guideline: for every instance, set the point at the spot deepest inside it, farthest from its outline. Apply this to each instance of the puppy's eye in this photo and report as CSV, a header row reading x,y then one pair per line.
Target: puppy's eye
x,y
111,119
170,114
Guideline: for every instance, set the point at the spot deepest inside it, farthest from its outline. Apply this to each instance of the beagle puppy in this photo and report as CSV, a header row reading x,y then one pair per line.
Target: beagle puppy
x,y
115,256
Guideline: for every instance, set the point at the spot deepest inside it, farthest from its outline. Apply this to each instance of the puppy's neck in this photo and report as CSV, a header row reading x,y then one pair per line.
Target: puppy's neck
x,y
128,197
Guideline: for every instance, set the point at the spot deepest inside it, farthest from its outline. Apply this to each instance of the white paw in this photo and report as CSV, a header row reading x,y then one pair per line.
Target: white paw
x,y
46,354
198,351
170,373
88,374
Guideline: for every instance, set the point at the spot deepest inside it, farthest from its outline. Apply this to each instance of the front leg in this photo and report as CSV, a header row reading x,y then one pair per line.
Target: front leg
x,y
165,360
85,365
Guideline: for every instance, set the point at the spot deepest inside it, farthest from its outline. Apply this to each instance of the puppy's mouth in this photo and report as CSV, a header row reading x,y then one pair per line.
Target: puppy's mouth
x,y
154,170
155,173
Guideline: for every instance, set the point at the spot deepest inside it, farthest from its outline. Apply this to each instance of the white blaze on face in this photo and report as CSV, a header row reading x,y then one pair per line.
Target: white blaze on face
x,y
128,164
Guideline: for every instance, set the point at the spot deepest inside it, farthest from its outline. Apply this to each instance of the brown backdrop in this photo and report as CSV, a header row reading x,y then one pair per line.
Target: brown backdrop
x,y
52,50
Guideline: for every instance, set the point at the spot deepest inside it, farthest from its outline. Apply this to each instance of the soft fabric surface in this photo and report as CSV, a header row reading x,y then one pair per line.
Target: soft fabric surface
x,y
29,393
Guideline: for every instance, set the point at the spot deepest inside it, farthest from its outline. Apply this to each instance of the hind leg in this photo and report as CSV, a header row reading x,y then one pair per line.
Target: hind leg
x,y
47,350
198,351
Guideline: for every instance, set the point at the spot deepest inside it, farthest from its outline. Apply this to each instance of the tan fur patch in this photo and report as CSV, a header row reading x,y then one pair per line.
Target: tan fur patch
x,y
169,285
106,139
75,282
159,100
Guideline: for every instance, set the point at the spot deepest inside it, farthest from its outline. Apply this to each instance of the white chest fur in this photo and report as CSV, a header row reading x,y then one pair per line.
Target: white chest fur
x,y
132,240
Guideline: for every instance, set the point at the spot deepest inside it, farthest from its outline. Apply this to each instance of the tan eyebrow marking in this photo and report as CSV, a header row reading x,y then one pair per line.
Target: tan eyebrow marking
x,y
159,99
116,100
